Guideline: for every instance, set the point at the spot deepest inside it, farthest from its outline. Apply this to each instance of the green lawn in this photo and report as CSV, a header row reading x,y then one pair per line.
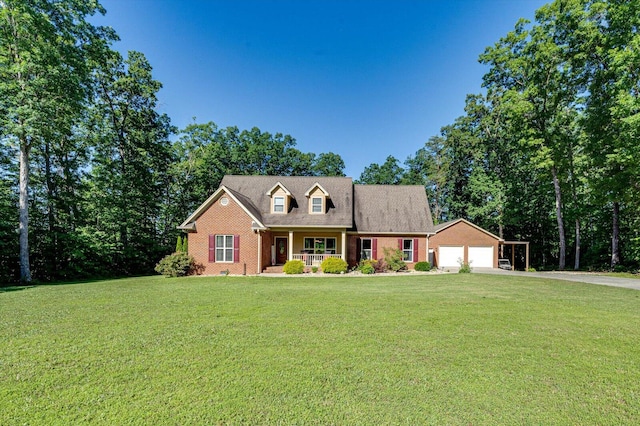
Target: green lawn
x,y
420,349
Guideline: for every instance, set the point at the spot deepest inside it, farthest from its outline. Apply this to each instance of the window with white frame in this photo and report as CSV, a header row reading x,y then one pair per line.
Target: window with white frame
x,y
407,250
320,245
316,205
367,250
278,204
224,248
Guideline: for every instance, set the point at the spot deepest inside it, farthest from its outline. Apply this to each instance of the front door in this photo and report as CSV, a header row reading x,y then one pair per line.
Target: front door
x,y
281,251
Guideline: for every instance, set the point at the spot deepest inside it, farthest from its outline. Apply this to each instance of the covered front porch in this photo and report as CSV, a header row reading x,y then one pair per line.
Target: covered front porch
x,y
312,246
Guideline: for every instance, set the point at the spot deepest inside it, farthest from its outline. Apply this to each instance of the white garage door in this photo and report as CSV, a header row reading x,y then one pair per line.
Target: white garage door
x,y
449,256
481,257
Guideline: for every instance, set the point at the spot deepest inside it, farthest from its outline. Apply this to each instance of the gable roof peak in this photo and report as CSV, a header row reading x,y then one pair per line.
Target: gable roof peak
x,y
276,186
314,186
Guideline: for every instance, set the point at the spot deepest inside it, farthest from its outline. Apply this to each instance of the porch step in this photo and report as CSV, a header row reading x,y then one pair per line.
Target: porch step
x,y
273,270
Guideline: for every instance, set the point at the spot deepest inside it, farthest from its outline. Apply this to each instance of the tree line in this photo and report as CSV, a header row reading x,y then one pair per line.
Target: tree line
x,y
550,152
93,180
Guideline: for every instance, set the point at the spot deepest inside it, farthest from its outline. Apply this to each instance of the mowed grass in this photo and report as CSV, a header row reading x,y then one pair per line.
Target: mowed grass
x,y
419,349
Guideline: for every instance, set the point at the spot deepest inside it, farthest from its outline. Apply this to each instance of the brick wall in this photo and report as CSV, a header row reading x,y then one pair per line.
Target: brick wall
x,y
227,220
384,241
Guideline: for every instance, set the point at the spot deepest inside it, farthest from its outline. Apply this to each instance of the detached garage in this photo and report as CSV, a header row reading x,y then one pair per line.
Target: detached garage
x,y
461,239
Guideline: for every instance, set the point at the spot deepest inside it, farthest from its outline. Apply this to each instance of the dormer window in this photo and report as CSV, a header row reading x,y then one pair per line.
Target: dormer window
x,y
318,197
280,198
316,205
278,204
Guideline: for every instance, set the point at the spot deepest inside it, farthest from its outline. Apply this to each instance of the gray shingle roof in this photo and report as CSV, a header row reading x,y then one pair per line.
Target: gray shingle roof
x,y
391,208
254,189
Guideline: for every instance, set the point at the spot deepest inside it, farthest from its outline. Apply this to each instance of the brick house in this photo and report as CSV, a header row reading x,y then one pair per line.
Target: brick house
x,y
252,222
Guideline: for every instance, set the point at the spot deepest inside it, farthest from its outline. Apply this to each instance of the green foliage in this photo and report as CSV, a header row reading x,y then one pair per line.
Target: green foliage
x,y
176,264
334,265
314,269
465,268
390,173
179,247
368,266
293,267
328,164
422,266
48,51
394,259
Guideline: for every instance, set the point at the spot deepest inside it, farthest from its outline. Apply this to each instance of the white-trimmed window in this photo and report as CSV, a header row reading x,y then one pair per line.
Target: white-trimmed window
x,y
367,249
320,245
316,205
407,250
224,248
278,204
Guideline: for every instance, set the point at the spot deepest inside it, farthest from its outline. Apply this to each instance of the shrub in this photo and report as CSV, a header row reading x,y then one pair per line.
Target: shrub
x,y
176,264
531,269
465,268
423,266
293,267
314,269
333,265
368,266
394,259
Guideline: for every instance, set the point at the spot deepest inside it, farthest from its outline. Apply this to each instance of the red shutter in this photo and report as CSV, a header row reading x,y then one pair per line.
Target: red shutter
x,y
236,248
400,244
415,249
374,248
212,248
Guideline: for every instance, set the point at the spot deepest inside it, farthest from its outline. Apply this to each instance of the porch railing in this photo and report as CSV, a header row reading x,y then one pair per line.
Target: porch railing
x,y
314,259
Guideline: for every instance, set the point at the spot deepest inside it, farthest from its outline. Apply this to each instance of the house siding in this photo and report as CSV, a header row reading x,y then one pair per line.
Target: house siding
x,y
226,220
465,235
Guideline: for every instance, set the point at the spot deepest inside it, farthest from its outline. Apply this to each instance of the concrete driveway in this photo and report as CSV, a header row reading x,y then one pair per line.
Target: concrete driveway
x,y
583,277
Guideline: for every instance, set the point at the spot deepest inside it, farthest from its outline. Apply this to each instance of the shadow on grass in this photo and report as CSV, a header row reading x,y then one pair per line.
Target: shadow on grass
x,y
5,288
9,288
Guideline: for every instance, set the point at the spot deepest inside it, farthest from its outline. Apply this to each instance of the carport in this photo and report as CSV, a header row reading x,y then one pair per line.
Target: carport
x,y
513,245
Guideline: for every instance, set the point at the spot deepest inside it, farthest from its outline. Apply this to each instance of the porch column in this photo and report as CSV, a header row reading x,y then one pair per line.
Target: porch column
x,y
344,245
290,245
426,250
259,252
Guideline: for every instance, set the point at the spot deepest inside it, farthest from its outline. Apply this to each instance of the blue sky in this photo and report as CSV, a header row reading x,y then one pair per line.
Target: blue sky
x,y
363,79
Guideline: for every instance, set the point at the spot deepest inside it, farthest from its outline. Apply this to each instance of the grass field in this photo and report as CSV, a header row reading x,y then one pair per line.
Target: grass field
x,y
426,349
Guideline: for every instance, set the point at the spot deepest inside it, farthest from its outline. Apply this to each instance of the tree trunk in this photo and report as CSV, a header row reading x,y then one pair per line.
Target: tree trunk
x,y
25,269
576,264
562,240
615,236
